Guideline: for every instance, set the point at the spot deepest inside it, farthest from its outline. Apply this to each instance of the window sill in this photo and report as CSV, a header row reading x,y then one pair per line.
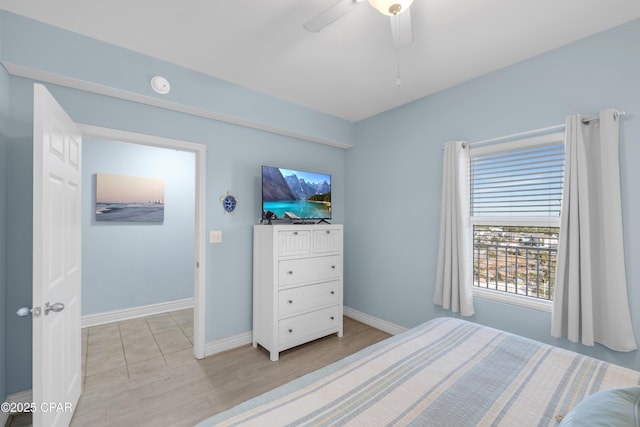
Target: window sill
x,y
522,301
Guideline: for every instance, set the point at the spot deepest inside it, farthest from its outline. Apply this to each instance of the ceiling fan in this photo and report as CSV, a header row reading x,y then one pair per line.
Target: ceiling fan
x,y
398,10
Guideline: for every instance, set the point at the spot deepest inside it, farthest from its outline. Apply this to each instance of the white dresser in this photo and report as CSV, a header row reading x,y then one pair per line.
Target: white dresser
x,y
297,284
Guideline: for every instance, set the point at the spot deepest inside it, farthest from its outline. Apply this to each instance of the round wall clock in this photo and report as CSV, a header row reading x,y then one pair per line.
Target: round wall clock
x,y
229,202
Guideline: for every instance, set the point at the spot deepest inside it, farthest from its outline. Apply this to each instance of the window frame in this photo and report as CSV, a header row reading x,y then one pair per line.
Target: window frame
x,y
501,147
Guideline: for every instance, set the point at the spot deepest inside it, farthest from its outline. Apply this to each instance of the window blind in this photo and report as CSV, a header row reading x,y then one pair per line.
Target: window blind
x,y
521,182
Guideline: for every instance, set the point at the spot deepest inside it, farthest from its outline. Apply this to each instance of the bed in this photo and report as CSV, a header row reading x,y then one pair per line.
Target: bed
x,y
445,372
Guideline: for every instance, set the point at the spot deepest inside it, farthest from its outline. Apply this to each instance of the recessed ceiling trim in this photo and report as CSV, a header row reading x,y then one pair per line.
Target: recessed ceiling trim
x,y
60,80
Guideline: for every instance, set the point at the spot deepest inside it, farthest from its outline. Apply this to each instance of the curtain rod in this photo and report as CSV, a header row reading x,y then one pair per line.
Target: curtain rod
x,y
616,114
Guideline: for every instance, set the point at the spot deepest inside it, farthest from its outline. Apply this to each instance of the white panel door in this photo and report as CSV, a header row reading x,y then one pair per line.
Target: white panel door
x,y
57,151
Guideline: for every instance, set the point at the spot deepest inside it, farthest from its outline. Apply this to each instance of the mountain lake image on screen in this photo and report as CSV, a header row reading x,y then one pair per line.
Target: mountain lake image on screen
x,y
294,194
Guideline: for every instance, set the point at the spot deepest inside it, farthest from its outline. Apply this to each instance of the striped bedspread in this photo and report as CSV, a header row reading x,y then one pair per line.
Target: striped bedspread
x,y
446,372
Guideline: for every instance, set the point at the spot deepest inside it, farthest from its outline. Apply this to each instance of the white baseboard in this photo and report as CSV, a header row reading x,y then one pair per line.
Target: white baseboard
x,y
224,344
20,397
374,322
134,312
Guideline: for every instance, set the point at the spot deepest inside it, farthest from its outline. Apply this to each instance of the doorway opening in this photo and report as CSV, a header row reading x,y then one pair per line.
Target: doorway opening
x,y
199,151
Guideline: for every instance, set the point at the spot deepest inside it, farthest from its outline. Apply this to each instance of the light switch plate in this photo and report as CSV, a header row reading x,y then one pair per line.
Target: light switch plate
x,y
215,236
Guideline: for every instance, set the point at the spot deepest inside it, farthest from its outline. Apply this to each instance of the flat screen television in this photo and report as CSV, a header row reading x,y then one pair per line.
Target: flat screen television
x,y
295,195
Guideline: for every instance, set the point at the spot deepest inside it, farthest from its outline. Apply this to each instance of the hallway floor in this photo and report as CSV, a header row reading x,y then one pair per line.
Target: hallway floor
x,y
117,352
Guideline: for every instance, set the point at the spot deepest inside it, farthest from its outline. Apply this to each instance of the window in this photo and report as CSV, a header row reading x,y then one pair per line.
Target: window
x,y
515,197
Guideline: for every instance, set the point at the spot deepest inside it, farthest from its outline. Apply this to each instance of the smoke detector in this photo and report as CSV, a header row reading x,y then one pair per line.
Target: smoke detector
x,y
160,85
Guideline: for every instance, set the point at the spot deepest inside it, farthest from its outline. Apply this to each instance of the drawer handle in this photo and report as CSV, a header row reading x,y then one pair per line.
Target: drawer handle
x,y
290,272
290,301
295,233
290,331
333,266
332,317
328,231
333,292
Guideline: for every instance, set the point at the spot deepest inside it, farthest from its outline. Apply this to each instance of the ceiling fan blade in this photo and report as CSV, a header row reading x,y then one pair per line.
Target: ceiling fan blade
x,y
401,29
331,15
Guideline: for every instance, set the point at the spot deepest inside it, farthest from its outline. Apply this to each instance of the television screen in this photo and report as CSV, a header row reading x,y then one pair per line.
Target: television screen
x,y
293,194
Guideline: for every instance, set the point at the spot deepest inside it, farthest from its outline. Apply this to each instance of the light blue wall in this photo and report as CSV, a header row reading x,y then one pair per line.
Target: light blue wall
x,y
127,265
386,189
4,125
234,156
394,176
60,52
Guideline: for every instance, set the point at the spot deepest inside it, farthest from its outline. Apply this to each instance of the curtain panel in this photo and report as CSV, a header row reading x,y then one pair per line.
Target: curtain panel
x,y
454,272
590,301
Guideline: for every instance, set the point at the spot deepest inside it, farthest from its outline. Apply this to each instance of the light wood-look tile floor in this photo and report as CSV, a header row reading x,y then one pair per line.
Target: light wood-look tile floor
x,y
148,376
121,351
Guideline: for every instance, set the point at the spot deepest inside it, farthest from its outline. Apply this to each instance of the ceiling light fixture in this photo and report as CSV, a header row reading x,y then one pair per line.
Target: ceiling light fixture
x,y
390,7
160,85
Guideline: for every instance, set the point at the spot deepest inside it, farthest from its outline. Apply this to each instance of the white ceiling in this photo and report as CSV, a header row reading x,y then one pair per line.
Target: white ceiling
x,y
349,68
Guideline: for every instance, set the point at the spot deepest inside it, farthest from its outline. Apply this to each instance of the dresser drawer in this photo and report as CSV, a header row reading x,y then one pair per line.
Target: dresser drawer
x,y
328,240
303,270
295,329
291,242
307,298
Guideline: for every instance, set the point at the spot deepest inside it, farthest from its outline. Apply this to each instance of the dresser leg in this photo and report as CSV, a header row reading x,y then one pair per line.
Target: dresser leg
x,y
274,356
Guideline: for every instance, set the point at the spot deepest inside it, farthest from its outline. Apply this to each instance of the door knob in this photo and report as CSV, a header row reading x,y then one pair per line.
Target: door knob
x,y
57,307
25,311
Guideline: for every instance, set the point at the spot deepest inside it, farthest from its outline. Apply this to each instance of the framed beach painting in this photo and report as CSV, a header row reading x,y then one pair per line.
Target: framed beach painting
x,y
129,198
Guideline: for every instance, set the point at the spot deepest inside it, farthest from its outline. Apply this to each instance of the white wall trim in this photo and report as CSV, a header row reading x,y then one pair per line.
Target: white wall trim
x,y
20,397
117,135
234,341
134,312
228,343
374,322
245,338
83,85
520,300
